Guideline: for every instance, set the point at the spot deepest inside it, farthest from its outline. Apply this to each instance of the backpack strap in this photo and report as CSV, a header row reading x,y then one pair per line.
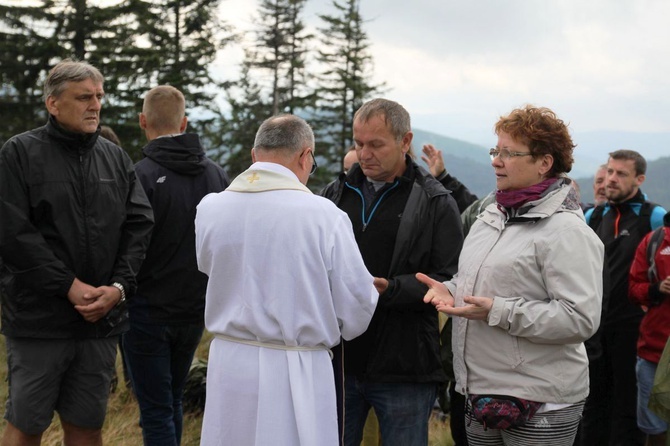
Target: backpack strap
x,y
645,214
652,248
646,210
596,217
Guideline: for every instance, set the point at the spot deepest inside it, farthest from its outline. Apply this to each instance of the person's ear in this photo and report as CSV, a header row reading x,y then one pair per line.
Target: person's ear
x,y
51,105
253,156
407,141
184,124
304,160
546,163
640,179
143,121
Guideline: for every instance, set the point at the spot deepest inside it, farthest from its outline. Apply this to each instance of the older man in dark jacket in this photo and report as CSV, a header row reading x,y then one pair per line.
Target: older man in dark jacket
x,y
404,221
74,227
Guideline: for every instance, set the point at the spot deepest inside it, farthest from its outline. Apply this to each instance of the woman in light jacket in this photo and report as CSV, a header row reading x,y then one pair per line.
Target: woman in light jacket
x,y
527,294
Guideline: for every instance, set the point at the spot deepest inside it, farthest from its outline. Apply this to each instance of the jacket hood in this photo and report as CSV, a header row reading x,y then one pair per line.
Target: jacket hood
x,y
182,153
79,142
559,197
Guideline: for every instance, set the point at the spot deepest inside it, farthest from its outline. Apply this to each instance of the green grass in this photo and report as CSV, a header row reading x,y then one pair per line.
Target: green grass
x,y
121,424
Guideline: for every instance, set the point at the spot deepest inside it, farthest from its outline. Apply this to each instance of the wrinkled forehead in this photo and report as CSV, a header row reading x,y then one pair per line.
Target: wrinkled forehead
x,y
86,85
89,87
372,127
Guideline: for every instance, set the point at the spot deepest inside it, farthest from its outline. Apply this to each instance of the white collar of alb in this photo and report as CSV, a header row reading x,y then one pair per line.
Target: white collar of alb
x,y
259,179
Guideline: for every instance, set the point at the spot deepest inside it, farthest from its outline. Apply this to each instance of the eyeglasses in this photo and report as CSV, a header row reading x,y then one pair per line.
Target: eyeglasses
x,y
505,154
314,165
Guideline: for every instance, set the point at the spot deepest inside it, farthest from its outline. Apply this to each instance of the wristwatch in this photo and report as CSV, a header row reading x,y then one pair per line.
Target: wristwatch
x,y
119,287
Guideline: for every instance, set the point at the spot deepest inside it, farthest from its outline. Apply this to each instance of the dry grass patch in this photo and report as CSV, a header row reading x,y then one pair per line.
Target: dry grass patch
x,y
122,421
121,424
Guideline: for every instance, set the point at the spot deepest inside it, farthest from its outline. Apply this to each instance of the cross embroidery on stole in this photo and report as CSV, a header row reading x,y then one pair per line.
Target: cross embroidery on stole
x,y
253,177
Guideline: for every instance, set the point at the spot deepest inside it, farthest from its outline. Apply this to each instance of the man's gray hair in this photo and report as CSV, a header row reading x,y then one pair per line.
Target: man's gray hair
x,y
66,71
284,132
395,116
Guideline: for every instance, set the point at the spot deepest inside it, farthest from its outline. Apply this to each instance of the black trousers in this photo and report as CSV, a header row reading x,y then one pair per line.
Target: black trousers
x,y
457,416
610,413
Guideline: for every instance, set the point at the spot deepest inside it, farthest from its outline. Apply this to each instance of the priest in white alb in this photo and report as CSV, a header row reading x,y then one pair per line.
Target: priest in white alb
x,y
286,281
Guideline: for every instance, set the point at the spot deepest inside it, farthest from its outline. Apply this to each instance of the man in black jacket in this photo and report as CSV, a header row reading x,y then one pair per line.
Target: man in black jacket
x,y
404,221
74,227
166,312
610,413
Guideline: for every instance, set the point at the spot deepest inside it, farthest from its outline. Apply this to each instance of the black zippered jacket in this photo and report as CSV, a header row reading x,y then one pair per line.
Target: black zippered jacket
x,y
402,341
621,229
70,206
175,174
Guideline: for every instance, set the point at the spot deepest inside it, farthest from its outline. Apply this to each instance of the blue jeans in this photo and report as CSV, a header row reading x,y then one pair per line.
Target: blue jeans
x,y
159,358
403,410
647,420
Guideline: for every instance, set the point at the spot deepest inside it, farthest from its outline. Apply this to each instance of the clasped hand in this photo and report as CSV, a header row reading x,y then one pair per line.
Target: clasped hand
x,y
91,302
476,308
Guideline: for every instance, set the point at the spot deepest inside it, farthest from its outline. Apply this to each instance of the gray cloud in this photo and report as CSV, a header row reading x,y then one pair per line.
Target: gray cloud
x,y
602,65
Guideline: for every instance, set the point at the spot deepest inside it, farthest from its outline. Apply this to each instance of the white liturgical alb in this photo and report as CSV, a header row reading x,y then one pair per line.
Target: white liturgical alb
x,y
286,280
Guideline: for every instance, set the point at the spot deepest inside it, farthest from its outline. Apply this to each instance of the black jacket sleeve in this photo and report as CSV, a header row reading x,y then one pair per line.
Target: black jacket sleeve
x,y
461,194
433,248
23,249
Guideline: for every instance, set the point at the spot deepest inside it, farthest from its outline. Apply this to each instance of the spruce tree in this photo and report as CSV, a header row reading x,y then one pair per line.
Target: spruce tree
x,y
235,132
27,47
280,51
35,38
272,80
345,82
136,44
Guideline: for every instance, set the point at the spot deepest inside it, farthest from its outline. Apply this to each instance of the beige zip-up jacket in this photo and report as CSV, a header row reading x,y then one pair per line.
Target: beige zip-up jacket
x,y
543,270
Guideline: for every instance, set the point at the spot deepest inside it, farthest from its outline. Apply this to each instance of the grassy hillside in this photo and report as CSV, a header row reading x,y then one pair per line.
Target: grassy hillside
x,y
122,421
121,425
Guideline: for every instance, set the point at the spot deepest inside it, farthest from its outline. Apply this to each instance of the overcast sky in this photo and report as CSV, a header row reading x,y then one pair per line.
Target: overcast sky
x,y
457,65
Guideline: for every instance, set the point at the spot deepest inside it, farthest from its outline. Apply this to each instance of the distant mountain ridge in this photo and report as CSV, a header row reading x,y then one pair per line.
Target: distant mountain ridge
x,y
655,185
470,163
451,146
593,148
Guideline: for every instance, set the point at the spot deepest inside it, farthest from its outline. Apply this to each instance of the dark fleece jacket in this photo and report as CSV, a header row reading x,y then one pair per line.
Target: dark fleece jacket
x,y
176,175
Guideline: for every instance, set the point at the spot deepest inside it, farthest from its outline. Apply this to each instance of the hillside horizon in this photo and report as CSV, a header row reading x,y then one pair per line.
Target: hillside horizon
x,y
470,163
